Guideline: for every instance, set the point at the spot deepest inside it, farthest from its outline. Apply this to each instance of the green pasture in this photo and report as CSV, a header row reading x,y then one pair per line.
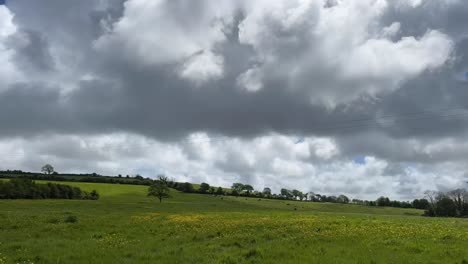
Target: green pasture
x,y
126,226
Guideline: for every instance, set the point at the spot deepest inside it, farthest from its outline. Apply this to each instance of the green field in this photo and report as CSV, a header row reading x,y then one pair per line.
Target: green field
x,y
125,226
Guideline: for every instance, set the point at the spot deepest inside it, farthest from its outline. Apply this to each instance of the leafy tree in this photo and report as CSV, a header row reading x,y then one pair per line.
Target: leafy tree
x,y
343,199
446,207
420,204
204,187
159,190
238,187
318,198
186,187
219,191
248,188
332,199
164,179
47,169
286,194
297,194
266,191
312,196
450,204
383,201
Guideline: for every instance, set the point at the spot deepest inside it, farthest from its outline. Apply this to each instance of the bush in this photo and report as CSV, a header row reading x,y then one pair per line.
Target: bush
x,y
94,195
24,188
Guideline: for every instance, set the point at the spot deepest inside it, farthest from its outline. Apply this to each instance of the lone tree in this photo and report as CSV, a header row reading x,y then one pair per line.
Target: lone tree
x,y
159,189
47,169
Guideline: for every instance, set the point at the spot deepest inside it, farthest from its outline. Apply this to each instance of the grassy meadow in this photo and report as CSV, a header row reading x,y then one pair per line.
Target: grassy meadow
x,y
126,226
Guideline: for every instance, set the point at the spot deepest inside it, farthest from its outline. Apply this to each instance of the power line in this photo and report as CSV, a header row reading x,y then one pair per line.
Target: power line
x,y
382,122
411,119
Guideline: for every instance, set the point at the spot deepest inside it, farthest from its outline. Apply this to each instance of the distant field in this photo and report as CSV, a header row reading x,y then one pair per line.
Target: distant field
x,y
125,226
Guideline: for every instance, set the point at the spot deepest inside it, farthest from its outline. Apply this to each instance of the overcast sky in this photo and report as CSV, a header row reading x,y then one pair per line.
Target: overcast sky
x,y
360,97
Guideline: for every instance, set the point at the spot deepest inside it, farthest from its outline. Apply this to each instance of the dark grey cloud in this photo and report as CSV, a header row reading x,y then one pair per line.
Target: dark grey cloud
x,y
32,52
153,101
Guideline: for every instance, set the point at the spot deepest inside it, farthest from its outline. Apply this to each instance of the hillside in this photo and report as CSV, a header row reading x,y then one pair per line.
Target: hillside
x,y
126,226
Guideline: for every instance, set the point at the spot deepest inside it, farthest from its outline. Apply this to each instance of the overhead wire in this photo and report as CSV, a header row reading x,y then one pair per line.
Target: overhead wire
x,y
381,122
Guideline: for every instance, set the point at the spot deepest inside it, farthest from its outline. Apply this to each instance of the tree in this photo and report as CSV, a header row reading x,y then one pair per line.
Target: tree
x,y
297,194
312,196
219,191
266,191
287,194
459,197
332,199
159,190
164,179
383,201
343,199
248,188
421,204
186,187
446,207
204,187
432,197
238,187
47,169
318,198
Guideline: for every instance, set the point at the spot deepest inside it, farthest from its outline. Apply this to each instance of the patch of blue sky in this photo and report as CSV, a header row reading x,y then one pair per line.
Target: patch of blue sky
x,y
299,141
360,159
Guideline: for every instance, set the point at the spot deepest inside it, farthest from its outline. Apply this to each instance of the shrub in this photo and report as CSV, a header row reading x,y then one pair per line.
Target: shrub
x,y
94,195
24,188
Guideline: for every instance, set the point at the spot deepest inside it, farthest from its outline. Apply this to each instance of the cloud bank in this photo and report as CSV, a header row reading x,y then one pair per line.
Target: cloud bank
x,y
365,98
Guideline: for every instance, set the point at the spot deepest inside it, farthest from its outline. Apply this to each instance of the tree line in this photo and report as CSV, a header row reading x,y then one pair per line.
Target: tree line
x,y
92,178
444,204
23,188
247,190
449,204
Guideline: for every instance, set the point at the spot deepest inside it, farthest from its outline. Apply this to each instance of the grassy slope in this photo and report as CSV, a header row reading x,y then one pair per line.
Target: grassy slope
x,y
125,226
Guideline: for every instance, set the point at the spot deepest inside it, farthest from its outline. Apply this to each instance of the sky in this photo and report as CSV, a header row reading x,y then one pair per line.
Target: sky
x,y
357,97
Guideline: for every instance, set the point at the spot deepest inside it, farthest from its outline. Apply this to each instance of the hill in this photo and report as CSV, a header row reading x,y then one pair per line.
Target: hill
x,y
126,226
